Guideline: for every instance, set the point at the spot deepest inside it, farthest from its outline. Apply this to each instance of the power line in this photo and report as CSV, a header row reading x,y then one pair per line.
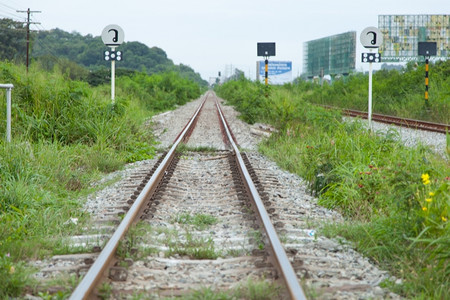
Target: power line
x,y
15,3
9,15
6,15
7,6
45,46
5,11
29,12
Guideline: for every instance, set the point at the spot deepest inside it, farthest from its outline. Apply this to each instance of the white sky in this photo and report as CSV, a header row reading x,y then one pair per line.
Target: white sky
x,y
208,35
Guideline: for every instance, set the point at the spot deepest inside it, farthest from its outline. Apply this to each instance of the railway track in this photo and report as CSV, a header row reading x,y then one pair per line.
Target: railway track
x,y
198,227
164,180
404,122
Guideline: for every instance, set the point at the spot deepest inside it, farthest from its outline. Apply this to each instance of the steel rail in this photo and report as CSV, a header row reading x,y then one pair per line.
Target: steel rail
x,y
400,121
280,258
90,280
403,122
411,123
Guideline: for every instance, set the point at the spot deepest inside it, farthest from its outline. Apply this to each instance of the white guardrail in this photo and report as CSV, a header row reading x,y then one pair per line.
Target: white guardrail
x,y
8,88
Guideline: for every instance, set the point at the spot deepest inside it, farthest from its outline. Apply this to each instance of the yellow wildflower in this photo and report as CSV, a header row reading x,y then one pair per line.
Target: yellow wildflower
x,y
424,208
431,194
428,199
12,270
425,178
444,219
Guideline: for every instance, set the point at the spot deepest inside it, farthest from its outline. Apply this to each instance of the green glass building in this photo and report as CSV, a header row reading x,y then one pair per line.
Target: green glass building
x,y
332,55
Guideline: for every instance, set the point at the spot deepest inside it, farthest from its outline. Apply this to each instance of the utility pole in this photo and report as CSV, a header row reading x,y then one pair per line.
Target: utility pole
x,y
29,12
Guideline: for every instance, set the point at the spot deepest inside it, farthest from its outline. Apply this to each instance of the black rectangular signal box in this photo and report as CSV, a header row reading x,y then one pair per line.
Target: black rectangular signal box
x,y
427,48
266,49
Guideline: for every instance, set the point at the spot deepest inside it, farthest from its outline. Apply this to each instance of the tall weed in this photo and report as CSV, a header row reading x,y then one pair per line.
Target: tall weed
x,y
64,136
396,198
399,93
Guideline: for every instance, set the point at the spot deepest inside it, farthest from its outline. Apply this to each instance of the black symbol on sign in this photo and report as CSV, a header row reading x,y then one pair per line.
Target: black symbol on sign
x,y
116,35
374,40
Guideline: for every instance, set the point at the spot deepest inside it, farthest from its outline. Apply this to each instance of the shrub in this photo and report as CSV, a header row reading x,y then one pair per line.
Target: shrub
x,y
395,198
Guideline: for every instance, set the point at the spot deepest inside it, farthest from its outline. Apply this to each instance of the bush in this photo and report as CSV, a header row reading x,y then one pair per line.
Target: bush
x,y
398,93
65,134
160,91
396,198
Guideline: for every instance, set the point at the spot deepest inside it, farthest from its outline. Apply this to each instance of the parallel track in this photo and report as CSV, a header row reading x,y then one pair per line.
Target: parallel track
x,y
106,258
404,122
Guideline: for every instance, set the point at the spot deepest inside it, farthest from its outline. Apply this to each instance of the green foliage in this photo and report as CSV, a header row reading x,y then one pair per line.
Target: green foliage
x,y
247,97
64,66
395,92
396,198
200,221
65,135
88,52
12,276
160,91
105,291
12,40
194,247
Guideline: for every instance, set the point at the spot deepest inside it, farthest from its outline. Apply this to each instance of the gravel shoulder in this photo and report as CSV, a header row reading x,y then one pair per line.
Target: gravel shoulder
x,y
328,265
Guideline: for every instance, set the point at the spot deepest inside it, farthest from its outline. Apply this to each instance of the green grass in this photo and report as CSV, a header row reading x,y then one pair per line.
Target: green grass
x,y
395,198
376,183
399,93
183,148
65,136
194,247
199,221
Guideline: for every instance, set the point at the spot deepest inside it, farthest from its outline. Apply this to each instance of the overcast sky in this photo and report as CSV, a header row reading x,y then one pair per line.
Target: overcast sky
x,y
209,35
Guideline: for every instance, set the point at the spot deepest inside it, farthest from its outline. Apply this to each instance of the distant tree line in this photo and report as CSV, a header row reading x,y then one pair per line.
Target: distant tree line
x,y
81,57
12,40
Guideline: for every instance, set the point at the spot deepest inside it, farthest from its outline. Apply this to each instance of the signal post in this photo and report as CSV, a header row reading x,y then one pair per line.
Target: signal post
x,y
371,38
112,36
427,49
266,50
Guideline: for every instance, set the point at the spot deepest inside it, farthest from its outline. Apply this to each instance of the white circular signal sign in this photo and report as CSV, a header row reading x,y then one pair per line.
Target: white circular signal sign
x,y
112,35
371,37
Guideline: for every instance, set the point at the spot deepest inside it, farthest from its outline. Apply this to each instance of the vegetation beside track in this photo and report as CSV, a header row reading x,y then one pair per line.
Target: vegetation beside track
x,y
395,198
397,93
65,135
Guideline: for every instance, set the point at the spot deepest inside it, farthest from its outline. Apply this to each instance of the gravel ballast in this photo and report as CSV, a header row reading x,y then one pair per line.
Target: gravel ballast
x,y
326,261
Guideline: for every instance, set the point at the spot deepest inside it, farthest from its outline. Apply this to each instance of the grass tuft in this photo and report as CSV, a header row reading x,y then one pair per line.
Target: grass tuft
x,y
395,198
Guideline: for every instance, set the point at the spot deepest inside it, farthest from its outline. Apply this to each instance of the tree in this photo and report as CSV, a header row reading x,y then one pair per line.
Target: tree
x,y
12,40
88,51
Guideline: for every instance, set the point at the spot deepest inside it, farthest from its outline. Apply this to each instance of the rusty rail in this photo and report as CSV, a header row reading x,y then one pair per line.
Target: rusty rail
x,y
279,256
92,277
404,122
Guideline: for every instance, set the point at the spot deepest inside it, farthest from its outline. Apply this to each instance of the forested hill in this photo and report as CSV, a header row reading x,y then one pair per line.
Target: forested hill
x,y
88,51
71,49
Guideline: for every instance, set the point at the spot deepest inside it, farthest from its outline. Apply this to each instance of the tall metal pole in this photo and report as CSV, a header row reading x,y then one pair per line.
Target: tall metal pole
x,y
369,113
266,76
113,76
28,37
426,81
8,114
8,88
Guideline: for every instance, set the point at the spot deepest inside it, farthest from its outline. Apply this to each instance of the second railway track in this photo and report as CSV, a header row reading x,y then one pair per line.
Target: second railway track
x,y
199,231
